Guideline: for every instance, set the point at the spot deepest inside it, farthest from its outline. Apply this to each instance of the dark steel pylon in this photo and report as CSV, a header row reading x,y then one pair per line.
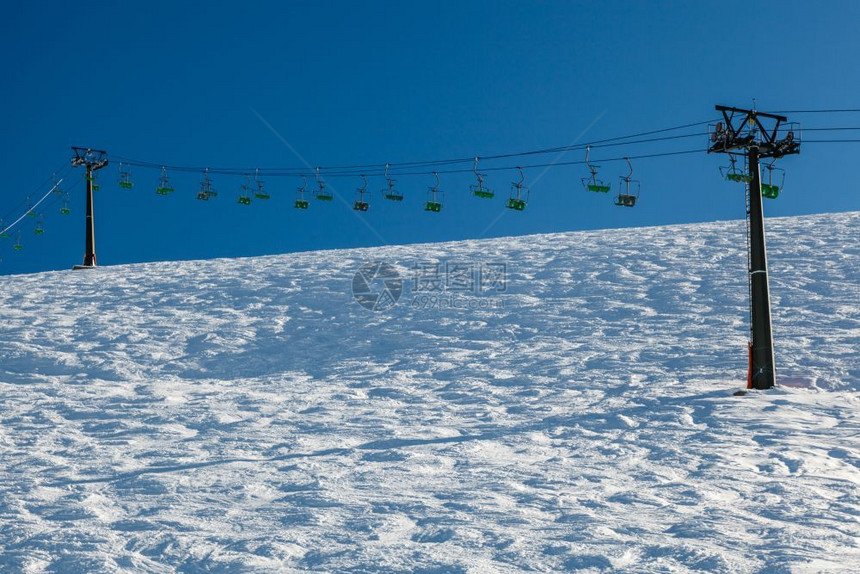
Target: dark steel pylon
x,y
744,133
93,160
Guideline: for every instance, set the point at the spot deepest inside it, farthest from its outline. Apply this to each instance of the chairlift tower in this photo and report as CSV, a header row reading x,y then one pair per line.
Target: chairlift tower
x,y
93,160
743,132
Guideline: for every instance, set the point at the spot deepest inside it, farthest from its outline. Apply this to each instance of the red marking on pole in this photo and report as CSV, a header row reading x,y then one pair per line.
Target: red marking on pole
x,y
750,368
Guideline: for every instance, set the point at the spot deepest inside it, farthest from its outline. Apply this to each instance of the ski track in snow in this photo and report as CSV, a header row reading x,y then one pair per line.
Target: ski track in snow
x,y
248,415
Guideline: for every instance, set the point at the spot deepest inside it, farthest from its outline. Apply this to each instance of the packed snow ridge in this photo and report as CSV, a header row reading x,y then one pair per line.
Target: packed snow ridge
x,y
546,403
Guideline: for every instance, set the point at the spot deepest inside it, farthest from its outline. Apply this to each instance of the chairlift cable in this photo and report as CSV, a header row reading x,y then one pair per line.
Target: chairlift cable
x,y
833,129
534,165
851,110
328,170
379,169
61,170
32,207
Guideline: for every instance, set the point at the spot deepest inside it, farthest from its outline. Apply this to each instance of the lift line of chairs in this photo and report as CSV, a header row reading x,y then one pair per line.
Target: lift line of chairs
x,y
255,189
39,228
519,196
769,189
628,195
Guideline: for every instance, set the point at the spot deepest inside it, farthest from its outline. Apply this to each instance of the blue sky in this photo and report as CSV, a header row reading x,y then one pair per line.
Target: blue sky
x,y
349,83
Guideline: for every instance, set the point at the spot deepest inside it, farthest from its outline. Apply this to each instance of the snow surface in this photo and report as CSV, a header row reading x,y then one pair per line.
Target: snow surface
x,y
249,415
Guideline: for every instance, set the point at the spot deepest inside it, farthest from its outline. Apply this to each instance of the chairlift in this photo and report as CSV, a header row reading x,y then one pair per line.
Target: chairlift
x,y
206,190
65,209
245,192
434,200
361,204
732,173
18,245
163,187
30,208
770,189
259,194
301,202
479,190
391,193
4,233
125,178
519,194
592,183
322,193
625,197
39,229
92,180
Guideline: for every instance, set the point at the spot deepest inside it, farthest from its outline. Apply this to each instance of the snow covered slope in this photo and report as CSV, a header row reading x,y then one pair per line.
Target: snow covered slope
x,y
575,413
